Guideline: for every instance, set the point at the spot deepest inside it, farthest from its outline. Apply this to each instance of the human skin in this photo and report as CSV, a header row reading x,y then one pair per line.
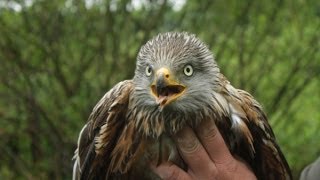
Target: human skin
x,y
206,155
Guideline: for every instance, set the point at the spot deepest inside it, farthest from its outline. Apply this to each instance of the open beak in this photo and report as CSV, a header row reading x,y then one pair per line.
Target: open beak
x,y
164,88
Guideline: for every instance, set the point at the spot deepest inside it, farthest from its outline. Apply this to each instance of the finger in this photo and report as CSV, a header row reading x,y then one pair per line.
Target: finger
x,y
213,142
170,171
194,154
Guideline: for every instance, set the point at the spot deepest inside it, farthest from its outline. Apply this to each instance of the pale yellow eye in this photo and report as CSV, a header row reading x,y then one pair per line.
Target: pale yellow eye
x,y
188,70
148,70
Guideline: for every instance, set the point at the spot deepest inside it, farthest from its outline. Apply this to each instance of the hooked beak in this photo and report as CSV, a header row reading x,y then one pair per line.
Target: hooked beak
x,y
164,88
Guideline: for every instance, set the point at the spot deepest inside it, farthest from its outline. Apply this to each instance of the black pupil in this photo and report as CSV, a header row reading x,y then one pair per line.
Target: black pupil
x,y
188,70
149,70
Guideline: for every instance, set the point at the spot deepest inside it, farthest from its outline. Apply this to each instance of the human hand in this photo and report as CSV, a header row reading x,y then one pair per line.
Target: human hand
x,y
207,157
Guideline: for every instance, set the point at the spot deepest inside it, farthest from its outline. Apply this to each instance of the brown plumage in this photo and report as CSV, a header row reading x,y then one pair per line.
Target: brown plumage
x,y
177,83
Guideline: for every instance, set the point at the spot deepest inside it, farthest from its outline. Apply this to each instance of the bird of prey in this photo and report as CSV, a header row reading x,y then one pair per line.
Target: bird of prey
x,y
177,83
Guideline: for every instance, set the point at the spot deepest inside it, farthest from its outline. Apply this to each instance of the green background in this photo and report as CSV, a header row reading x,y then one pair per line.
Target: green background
x,y
57,59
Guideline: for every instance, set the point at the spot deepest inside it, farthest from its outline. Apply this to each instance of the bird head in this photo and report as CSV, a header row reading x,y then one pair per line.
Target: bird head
x,y
175,74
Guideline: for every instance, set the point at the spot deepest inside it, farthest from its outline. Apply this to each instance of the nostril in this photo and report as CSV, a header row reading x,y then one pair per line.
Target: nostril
x,y
167,76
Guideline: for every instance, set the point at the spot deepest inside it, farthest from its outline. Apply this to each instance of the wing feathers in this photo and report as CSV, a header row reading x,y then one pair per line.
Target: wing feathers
x,y
274,165
97,139
250,128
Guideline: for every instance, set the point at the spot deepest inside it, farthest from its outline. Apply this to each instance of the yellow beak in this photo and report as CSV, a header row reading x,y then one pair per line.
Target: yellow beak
x,y
165,88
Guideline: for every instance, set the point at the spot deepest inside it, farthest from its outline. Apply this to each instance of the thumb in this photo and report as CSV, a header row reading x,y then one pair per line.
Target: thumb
x,y
169,171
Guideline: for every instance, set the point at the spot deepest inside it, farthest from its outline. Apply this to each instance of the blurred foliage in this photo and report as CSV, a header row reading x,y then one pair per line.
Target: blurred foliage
x,y
57,58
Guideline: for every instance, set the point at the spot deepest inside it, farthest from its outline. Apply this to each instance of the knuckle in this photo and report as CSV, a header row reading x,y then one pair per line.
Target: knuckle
x,y
188,145
229,165
187,142
208,131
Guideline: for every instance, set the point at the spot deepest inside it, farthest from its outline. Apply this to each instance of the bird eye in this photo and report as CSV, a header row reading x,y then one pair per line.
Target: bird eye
x,y
188,70
148,70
